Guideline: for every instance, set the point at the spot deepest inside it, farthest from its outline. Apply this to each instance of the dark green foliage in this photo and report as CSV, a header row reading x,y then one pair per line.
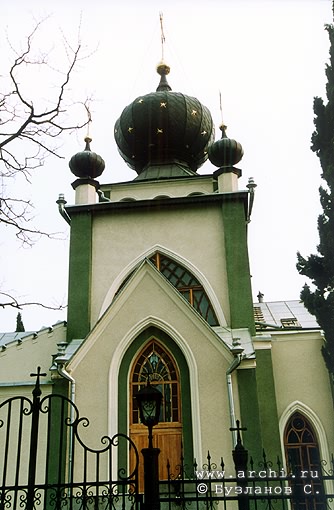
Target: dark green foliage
x,y
19,323
320,267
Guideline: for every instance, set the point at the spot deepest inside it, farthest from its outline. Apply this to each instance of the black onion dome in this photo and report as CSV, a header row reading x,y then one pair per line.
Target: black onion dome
x,y
225,152
87,164
164,127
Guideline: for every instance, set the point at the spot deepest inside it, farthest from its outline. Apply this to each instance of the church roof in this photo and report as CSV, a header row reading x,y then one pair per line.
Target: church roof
x,y
7,339
164,127
283,315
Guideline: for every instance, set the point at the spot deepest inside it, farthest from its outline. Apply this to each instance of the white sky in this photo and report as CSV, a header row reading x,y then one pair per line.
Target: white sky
x,y
268,59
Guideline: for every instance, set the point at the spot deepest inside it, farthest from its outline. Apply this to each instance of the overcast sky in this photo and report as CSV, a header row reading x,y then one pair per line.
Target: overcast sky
x,y
267,57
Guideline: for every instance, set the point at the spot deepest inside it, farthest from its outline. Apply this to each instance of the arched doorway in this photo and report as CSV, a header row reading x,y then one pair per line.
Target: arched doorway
x,y
303,459
156,363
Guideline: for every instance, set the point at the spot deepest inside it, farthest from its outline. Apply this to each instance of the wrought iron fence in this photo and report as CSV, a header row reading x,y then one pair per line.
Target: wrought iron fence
x,y
261,486
45,463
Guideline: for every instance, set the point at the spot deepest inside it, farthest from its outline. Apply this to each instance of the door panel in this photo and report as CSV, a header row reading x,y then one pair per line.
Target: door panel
x,y
155,364
168,440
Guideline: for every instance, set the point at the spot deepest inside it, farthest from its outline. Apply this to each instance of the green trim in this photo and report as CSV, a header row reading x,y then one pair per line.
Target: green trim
x,y
237,265
123,406
80,266
161,203
54,469
249,411
267,404
258,408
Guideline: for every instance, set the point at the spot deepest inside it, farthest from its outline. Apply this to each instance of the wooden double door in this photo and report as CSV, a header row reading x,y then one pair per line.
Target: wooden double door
x,y
156,364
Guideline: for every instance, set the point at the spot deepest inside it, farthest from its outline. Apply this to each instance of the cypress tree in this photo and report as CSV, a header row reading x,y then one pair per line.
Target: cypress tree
x,y
19,323
320,267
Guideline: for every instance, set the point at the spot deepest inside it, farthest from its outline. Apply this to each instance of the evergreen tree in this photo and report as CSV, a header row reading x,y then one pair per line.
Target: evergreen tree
x,y
320,267
19,324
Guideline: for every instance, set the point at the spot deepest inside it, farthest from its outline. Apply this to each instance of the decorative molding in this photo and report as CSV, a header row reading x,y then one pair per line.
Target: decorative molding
x,y
185,262
116,361
314,420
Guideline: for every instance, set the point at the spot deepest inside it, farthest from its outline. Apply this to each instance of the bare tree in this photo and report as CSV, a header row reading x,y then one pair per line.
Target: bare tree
x,y
36,108
32,122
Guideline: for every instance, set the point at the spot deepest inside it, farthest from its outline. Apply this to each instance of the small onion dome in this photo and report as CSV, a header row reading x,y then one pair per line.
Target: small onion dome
x,y
164,127
87,164
225,152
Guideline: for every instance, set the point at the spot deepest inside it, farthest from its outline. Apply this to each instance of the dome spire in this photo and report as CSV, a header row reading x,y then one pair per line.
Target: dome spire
x,y
163,39
88,137
222,126
162,68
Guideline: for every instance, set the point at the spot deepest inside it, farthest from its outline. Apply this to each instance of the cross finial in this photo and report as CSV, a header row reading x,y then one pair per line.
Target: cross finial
x,y
238,429
37,391
88,137
223,126
221,106
161,16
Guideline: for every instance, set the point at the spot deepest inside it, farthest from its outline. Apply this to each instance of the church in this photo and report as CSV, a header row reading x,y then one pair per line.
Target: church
x,y
160,290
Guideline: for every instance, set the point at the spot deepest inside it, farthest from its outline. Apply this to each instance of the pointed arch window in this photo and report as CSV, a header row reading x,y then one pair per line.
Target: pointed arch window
x,y
154,363
187,285
302,455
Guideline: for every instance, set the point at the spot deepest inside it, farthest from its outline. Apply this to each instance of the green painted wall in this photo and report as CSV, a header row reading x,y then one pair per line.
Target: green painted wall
x,y
249,410
237,263
80,265
58,412
128,358
267,404
258,408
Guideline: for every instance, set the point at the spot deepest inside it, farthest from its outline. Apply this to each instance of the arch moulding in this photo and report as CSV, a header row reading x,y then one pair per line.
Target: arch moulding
x,y
184,262
311,416
114,370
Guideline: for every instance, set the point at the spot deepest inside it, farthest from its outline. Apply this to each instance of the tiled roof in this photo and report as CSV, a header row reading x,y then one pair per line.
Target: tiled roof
x,y
283,315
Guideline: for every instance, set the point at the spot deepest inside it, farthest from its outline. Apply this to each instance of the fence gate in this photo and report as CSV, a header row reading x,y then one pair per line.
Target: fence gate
x,y
45,463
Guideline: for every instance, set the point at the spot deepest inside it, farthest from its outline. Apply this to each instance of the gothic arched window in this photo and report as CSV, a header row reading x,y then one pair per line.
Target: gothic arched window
x,y
303,460
156,365
187,285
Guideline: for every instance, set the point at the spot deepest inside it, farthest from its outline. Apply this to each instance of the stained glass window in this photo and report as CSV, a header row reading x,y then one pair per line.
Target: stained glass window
x,y
156,365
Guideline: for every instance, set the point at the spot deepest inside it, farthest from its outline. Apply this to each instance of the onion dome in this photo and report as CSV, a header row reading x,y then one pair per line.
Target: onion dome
x,y
164,128
225,152
87,164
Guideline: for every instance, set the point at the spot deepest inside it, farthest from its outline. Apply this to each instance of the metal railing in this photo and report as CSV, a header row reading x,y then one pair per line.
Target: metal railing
x,y
46,464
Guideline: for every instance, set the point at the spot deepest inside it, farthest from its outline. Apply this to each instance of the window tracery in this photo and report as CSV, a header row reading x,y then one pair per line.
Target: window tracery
x,y
187,285
156,365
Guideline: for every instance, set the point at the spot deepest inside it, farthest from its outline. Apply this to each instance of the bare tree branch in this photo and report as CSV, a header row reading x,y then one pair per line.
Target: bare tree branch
x,y
30,124
12,302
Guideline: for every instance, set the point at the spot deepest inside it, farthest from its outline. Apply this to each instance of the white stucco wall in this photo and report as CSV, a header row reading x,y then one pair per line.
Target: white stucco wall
x,y
149,295
195,236
19,359
302,382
